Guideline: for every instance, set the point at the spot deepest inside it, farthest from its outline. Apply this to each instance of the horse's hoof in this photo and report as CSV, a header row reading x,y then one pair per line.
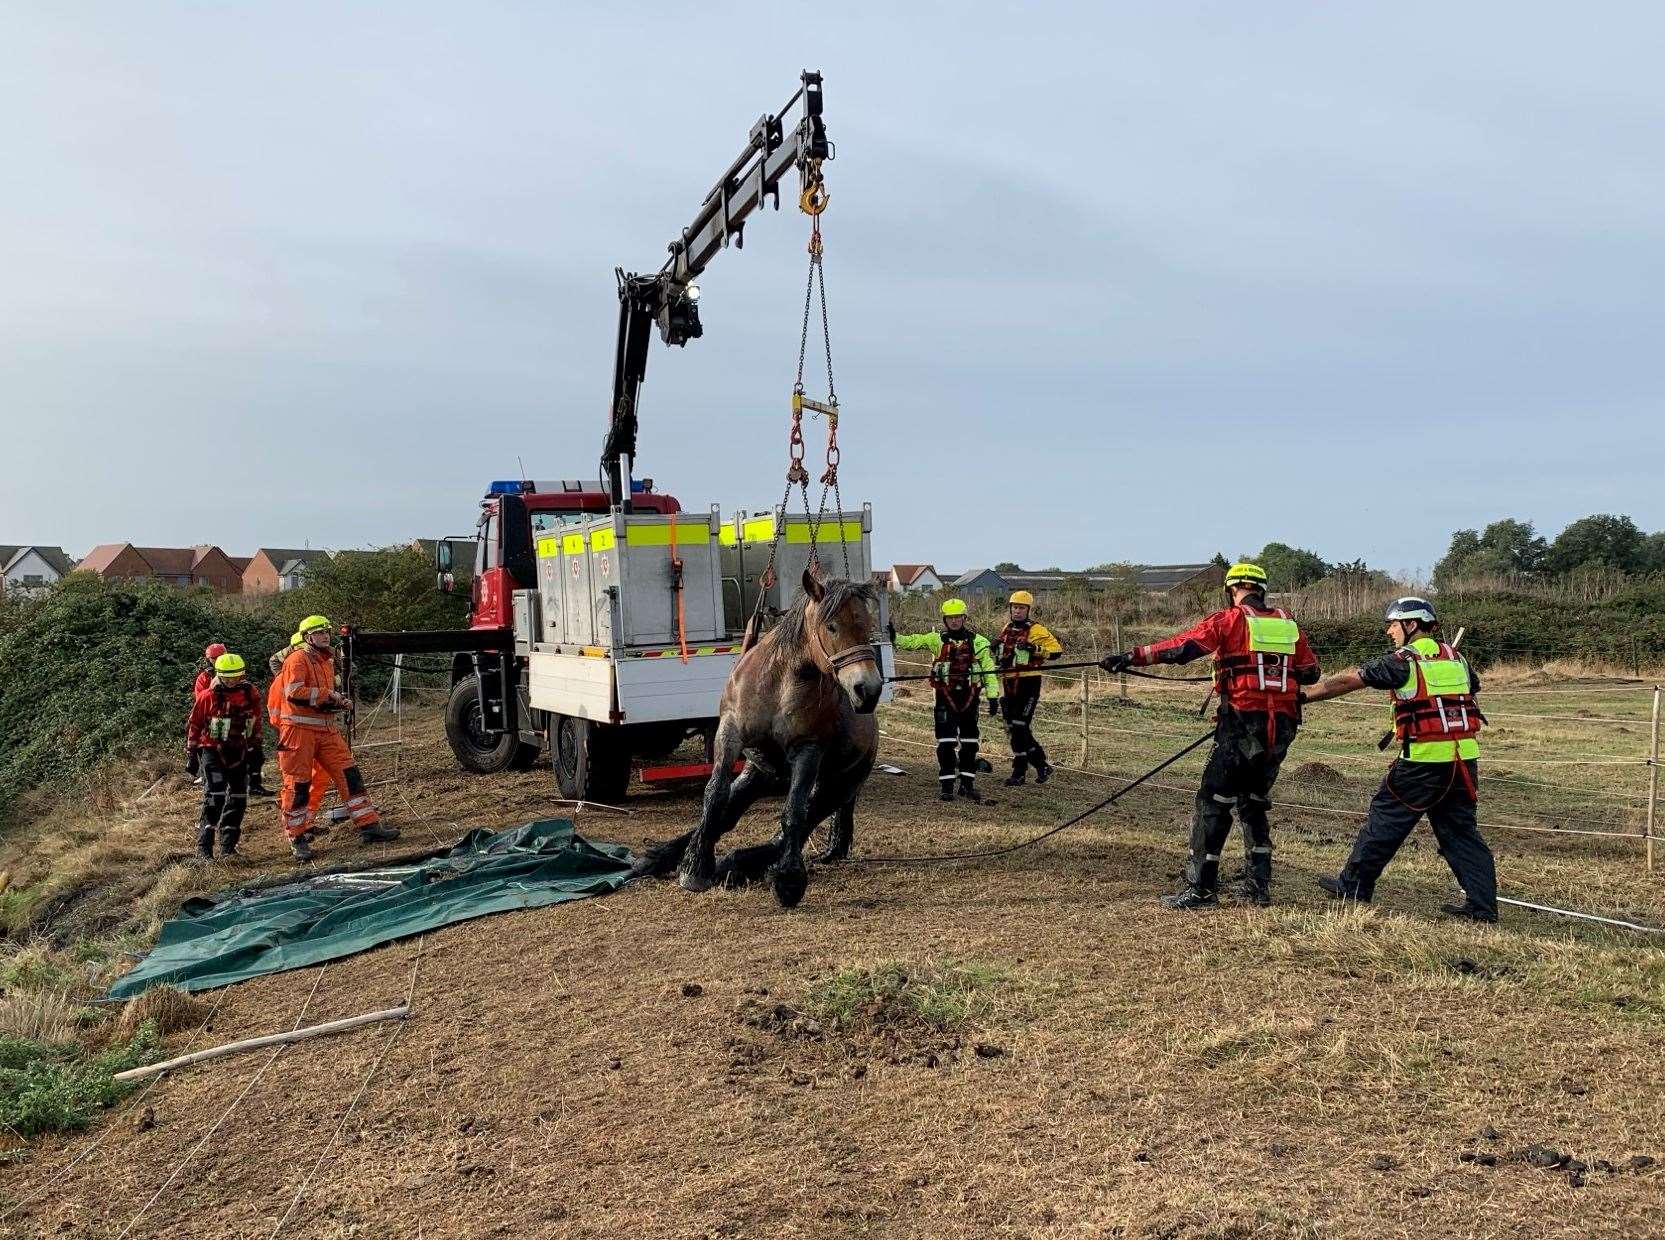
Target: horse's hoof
x,y
695,880
789,886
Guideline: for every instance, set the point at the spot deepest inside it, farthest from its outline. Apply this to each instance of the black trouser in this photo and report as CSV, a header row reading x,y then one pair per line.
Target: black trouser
x,y
1249,748
1439,790
1022,695
225,795
957,739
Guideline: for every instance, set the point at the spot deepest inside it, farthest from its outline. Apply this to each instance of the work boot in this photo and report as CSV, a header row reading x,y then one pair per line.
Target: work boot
x,y
381,833
257,788
1043,771
1192,898
205,843
945,790
1469,911
301,847
1338,890
338,813
968,790
228,841
1255,883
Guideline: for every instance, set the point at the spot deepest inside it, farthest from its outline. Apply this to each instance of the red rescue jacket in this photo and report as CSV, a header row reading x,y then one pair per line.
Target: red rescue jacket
x,y
1244,680
226,720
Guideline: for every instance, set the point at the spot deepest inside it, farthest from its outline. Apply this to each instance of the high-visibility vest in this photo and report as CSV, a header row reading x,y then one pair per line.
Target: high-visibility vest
x,y
1270,643
1435,716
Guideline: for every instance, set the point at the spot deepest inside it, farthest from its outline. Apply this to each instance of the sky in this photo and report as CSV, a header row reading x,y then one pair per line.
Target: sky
x,y
1106,282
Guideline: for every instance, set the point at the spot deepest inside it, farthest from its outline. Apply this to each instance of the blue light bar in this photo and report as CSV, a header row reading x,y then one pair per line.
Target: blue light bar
x,y
509,486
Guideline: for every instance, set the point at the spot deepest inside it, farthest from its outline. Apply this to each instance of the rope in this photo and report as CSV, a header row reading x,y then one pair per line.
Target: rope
x,y
1063,826
398,1028
1047,669
224,1115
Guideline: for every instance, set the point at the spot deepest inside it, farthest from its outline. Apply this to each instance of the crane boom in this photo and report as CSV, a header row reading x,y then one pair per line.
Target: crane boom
x,y
668,298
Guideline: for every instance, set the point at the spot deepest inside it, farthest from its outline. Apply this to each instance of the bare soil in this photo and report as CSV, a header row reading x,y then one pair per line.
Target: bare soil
x,y
649,1064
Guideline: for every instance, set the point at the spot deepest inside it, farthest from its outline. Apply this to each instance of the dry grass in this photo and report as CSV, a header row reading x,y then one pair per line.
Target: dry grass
x,y
170,1008
1301,1071
39,1016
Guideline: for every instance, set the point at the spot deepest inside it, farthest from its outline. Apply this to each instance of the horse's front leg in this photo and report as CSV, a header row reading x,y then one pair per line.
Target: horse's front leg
x,y
788,876
841,834
699,861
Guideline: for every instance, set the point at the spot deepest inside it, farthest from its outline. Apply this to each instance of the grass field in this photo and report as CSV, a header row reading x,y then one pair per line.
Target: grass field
x,y
1024,1047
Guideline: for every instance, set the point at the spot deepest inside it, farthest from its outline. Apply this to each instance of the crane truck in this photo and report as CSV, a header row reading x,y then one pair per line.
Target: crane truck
x,y
604,620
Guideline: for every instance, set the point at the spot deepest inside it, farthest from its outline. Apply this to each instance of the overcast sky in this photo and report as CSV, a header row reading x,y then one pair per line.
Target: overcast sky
x,y
1111,281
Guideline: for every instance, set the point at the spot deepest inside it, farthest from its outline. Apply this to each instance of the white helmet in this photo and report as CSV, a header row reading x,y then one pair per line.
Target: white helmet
x,y
1410,608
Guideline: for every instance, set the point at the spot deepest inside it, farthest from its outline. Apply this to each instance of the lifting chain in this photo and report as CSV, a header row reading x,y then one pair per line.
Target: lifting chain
x,y
812,201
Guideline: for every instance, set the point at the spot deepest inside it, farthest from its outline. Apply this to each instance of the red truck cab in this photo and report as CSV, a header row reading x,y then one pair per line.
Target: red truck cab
x,y
512,515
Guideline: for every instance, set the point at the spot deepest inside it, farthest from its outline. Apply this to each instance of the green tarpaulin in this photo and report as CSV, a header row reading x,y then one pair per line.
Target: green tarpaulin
x,y
242,934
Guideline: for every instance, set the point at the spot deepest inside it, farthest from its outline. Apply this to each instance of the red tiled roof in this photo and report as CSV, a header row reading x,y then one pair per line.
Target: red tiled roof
x,y
907,574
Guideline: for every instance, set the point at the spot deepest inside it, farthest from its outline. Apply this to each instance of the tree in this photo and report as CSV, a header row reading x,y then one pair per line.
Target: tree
x,y
1599,541
1506,548
1220,561
1653,553
1006,566
1290,568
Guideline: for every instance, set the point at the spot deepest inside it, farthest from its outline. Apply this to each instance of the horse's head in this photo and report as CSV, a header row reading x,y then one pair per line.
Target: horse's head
x,y
838,621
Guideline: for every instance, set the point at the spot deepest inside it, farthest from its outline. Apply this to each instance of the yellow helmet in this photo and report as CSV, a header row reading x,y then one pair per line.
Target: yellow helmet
x,y
953,607
295,640
1244,573
229,665
1021,596
312,624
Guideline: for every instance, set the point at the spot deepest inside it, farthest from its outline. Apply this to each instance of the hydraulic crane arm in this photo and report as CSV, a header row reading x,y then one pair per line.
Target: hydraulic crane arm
x,y
669,298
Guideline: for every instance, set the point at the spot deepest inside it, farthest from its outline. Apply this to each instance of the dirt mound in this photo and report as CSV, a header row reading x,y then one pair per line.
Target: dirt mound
x,y
1318,773
172,1010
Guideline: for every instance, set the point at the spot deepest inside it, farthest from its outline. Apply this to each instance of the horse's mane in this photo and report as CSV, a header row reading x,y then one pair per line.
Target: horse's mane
x,y
789,635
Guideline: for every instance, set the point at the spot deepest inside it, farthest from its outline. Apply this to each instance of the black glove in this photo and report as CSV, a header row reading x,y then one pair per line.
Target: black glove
x,y
890,632
994,708
193,763
1116,662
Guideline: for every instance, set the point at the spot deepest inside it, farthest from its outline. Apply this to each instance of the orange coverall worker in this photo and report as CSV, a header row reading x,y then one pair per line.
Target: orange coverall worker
x,y
307,739
320,778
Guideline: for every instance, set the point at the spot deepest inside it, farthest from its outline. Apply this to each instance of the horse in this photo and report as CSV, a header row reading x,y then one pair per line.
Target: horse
x,y
799,707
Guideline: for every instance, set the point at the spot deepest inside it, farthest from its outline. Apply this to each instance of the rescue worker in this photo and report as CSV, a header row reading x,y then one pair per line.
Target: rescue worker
x,y
962,670
308,739
220,741
1261,658
1023,646
1436,723
257,754
320,780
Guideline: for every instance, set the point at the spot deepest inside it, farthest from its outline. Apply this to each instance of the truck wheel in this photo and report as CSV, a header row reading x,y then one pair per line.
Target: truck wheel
x,y
476,749
591,760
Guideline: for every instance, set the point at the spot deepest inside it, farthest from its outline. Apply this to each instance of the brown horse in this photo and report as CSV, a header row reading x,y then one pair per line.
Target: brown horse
x,y
799,707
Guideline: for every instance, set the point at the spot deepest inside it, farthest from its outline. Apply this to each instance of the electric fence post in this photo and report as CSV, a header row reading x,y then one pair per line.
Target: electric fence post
x,y
1653,775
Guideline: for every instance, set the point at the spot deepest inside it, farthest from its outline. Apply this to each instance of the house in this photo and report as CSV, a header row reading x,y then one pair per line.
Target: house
x,y
271,569
980,585
463,551
205,566
31,568
913,579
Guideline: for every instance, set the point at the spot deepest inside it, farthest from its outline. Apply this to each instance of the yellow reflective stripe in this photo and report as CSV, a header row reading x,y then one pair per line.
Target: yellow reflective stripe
x,y
758,529
549,546
602,540
798,532
593,652
725,534
1443,751
660,535
572,544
